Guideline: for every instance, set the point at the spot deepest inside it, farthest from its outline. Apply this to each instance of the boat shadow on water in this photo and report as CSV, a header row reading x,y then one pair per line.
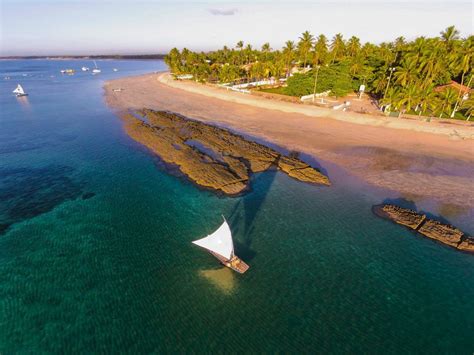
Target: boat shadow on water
x,y
246,210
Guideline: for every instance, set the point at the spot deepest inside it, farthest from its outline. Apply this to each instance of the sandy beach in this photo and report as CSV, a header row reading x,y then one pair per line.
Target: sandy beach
x,y
420,160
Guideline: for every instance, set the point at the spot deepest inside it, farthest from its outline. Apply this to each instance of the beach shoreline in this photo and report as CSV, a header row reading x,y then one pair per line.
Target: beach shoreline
x,y
430,162
453,128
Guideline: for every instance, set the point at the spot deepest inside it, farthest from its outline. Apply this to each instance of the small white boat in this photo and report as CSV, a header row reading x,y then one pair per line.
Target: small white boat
x,y
85,69
95,70
19,91
221,246
117,90
115,69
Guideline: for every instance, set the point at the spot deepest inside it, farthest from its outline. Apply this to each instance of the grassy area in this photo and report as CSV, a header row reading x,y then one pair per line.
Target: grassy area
x,y
280,90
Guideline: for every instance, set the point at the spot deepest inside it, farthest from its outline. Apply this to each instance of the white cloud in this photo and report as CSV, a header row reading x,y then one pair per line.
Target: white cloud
x,y
223,12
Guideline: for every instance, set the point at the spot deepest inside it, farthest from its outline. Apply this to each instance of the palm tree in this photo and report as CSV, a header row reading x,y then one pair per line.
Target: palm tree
x,y
448,99
225,53
173,60
279,68
304,45
469,106
418,48
380,82
427,101
321,50
391,98
449,35
357,65
288,51
248,53
353,45
431,62
337,47
240,46
266,49
464,63
407,73
399,43
410,98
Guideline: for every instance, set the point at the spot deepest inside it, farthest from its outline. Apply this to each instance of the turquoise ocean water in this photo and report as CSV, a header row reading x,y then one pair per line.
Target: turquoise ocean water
x,y
95,252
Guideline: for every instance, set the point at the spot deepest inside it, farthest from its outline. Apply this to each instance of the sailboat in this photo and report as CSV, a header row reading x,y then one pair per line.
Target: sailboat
x,y
221,246
85,69
19,91
95,70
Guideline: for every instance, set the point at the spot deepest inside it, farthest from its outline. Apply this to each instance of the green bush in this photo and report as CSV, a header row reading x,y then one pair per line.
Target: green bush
x,y
335,77
299,85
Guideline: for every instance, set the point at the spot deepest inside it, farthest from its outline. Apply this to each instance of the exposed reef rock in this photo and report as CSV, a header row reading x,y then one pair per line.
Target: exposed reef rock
x,y
210,156
430,228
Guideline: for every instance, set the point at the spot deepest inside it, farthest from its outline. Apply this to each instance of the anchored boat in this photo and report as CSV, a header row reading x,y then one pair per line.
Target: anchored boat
x,y
96,70
19,91
220,245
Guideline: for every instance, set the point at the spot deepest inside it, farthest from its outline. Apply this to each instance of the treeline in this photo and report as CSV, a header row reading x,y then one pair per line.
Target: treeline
x,y
404,75
100,56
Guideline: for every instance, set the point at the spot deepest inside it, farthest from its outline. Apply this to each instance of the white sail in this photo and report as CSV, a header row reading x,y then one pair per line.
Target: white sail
x,y
219,242
19,90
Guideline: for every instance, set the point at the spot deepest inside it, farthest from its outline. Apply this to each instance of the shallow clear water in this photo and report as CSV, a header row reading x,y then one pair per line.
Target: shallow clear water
x,y
95,252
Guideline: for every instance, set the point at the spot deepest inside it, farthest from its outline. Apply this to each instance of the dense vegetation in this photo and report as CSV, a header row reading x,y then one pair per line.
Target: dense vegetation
x,y
404,75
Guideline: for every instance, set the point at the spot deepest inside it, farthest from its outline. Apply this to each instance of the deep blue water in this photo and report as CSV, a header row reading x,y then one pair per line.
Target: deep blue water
x,y
95,252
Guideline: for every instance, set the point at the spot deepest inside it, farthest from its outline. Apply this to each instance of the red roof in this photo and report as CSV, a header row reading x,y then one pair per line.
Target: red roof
x,y
455,85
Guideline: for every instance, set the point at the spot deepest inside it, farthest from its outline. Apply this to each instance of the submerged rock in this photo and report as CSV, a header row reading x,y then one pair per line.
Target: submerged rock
x,y
429,228
210,156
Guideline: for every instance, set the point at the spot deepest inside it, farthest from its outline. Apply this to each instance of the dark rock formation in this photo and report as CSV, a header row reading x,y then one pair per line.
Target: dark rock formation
x,y
444,233
430,228
212,157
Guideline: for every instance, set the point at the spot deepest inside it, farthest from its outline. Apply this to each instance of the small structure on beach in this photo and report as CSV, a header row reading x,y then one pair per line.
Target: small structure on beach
x,y
320,95
184,77
221,246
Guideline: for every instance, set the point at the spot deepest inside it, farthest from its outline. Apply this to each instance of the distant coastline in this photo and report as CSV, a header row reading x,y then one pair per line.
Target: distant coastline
x,y
65,57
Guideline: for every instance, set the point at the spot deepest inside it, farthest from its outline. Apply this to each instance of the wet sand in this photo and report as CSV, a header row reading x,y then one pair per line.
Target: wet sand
x,y
437,165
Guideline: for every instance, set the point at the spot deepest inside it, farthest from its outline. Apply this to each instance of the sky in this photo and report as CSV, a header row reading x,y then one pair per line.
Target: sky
x,y
76,27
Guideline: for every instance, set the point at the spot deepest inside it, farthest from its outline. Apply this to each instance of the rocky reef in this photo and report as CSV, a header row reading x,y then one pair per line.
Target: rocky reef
x,y
429,228
210,156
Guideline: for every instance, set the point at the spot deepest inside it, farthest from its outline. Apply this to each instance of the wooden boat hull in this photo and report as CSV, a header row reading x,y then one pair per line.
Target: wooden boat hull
x,y
235,263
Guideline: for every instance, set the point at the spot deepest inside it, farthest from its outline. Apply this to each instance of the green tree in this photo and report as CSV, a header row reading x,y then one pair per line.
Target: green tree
x,y
304,45
266,49
321,50
448,100
289,52
337,47
248,53
449,36
353,46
